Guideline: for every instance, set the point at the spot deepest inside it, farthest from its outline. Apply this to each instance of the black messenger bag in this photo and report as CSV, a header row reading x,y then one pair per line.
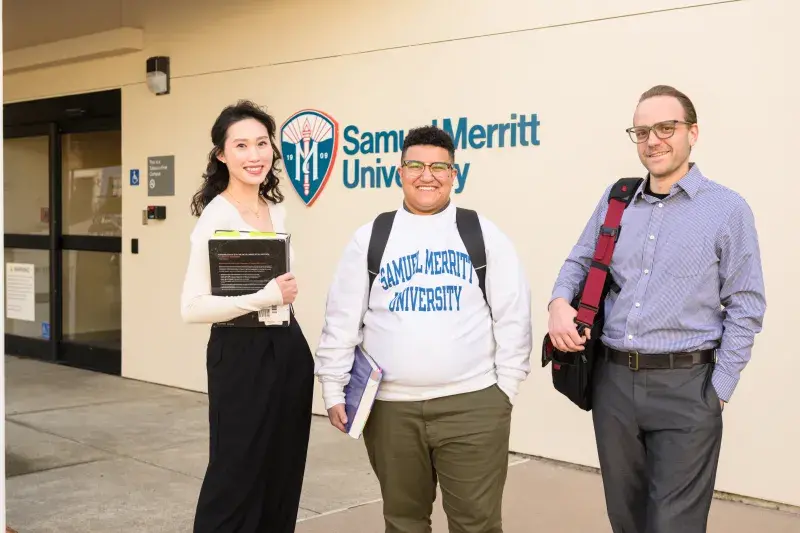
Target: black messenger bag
x,y
573,371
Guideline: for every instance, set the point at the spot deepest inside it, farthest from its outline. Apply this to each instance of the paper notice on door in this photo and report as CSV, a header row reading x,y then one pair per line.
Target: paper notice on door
x,y
20,291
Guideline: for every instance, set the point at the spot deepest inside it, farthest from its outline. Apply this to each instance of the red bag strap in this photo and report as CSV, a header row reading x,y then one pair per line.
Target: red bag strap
x,y
620,196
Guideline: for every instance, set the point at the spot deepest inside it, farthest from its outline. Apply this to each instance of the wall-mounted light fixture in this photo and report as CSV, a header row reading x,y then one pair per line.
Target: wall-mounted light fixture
x,y
158,74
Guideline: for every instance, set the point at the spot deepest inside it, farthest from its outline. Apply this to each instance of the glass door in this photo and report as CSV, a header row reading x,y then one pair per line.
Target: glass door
x,y
63,159
26,191
91,214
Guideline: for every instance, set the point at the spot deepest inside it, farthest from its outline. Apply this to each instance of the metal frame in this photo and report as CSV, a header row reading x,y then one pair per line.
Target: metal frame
x,y
55,117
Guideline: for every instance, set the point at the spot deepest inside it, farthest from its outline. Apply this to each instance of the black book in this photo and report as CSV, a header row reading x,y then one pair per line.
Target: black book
x,y
244,262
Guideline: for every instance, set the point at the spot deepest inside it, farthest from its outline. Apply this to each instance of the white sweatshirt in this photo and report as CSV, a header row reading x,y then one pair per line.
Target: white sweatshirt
x,y
428,326
197,303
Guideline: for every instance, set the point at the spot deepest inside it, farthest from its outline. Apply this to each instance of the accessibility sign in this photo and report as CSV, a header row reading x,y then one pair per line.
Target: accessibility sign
x,y
134,177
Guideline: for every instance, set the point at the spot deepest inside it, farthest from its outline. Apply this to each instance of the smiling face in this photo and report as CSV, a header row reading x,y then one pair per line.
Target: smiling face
x,y
427,189
665,151
247,152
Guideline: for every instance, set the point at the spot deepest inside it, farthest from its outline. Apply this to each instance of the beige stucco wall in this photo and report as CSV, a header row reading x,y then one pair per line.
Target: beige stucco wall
x,y
579,66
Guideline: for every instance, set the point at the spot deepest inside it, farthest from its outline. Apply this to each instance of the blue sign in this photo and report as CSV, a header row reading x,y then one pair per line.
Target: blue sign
x,y
46,330
134,177
309,140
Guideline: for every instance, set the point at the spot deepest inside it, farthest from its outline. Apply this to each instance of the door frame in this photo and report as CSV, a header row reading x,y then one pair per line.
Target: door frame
x,y
54,117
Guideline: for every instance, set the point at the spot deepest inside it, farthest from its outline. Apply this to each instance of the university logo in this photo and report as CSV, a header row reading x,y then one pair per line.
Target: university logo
x,y
309,140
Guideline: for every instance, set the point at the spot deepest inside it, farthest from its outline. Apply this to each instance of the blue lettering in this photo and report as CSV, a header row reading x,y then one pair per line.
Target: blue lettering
x,y
391,177
435,263
362,173
477,137
521,130
386,136
414,298
408,267
529,125
503,129
382,279
491,129
369,177
445,269
460,135
367,145
347,183
461,177
463,259
427,299
350,133
387,175
398,271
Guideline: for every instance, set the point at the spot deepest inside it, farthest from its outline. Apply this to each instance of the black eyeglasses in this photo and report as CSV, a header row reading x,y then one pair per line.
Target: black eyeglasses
x,y
663,130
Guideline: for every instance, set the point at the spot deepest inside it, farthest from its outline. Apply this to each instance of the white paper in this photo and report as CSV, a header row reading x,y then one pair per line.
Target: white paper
x,y
20,291
275,315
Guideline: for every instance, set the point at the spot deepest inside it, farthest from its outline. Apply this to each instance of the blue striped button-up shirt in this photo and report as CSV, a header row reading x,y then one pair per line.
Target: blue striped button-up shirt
x,y
689,272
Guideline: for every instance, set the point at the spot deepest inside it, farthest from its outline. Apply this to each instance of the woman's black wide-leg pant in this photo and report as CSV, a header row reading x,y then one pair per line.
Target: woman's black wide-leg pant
x,y
260,388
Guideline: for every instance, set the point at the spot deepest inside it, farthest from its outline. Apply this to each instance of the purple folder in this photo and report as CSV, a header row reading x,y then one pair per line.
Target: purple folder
x,y
360,392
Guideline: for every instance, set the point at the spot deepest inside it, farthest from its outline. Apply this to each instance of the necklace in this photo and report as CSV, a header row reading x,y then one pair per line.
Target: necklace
x,y
256,212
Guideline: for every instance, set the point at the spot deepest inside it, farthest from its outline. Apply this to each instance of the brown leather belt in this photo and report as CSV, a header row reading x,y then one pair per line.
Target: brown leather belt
x,y
642,361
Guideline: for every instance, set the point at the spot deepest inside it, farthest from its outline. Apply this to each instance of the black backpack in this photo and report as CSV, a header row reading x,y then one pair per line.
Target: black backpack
x,y
469,228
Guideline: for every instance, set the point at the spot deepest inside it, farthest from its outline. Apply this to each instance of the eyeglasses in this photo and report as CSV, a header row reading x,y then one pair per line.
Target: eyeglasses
x,y
663,130
416,168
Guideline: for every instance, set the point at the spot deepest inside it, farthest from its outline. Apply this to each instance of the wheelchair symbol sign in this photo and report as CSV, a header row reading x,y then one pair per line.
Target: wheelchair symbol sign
x,y
134,177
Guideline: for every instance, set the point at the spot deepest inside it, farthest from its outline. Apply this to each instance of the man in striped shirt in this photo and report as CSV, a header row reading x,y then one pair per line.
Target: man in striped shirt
x,y
679,325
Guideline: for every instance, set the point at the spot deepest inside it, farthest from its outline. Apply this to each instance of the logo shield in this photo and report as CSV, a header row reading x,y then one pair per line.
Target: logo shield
x,y
309,140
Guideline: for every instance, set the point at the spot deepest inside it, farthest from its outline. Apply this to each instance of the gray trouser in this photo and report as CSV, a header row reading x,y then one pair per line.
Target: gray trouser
x,y
658,437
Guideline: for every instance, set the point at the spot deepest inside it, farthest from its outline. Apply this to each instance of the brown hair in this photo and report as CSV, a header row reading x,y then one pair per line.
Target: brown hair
x,y
690,115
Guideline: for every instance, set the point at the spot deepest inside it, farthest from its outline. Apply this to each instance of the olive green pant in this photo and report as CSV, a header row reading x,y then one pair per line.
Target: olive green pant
x,y
461,441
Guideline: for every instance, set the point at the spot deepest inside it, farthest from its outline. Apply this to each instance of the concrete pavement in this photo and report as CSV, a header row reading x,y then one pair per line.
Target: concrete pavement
x,y
87,452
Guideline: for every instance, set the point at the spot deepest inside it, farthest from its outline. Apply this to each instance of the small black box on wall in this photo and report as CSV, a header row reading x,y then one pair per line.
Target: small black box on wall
x,y
156,212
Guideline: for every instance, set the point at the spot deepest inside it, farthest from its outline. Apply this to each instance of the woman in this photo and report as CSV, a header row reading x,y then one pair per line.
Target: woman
x,y
260,380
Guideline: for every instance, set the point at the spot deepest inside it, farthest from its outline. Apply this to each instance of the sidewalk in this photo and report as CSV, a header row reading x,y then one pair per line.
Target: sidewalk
x,y
88,452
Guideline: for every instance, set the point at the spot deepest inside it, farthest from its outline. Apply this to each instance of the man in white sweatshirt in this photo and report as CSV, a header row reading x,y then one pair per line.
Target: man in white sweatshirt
x,y
452,363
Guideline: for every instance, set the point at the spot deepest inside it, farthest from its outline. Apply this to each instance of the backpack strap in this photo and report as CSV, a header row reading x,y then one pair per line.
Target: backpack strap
x,y
469,227
619,198
381,228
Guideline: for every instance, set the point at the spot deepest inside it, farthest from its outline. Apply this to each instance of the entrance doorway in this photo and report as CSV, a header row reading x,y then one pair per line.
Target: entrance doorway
x,y
63,229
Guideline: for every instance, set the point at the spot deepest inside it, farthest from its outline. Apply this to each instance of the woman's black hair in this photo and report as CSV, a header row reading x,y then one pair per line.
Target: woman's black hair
x,y
216,176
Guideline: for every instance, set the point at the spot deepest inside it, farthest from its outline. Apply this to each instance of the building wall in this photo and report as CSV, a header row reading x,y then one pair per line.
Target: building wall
x,y
578,66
